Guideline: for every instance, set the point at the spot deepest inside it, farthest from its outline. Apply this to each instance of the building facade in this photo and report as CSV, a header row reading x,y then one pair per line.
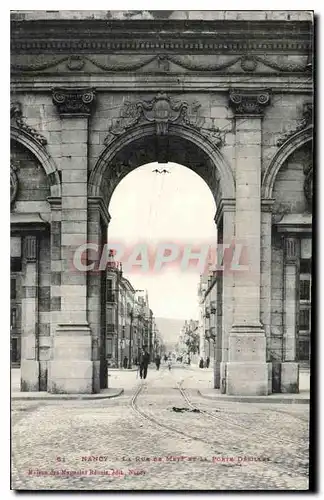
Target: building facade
x,y
95,95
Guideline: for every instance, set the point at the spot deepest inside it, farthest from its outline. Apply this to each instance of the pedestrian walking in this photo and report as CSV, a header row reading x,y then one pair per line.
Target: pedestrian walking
x,y
201,363
207,362
158,362
169,363
144,362
125,362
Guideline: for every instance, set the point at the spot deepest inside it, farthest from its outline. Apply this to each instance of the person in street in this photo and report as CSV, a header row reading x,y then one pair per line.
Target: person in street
x,y
169,363
207,362
158,361
201,363
144,362
165,358
125,362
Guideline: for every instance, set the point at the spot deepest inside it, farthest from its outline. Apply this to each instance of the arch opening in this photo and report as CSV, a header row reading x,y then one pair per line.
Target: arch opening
x,y
166,214
141,146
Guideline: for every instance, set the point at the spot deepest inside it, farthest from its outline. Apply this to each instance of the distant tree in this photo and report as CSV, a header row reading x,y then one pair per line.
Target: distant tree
x,y
192,341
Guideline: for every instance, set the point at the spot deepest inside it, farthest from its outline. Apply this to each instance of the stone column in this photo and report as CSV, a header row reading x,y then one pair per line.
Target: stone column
x,y
289,367
247,369
265,294
29,319
225,222
71,369
98,220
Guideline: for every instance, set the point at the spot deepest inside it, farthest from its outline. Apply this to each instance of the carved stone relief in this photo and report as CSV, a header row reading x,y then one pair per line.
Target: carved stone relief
x,y
17,120
162,111
308,182
306,121
119,63
13,181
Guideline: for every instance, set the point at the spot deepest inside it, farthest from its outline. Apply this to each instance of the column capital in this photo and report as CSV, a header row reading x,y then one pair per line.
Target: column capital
x,y
249,102
31,248
55,202
97,203
291,249
267,205
73,101
225,205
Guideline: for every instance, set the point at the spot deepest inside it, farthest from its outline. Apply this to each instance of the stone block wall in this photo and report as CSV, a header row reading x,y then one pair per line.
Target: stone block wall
x,y
33,187
289,186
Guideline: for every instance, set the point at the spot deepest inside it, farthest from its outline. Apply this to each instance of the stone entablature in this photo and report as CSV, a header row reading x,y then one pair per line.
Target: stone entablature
x,y
145,36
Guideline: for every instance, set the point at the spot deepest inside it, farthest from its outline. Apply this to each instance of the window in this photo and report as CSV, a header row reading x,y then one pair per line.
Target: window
x,y
110,295
15,254
303,348
305,304
15,264
109,346
304,319
14,350
13,288
305,289
305,266
110,316
13,318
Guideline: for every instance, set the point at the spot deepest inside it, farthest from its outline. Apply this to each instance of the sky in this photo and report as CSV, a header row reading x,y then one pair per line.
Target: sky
x,y
153,208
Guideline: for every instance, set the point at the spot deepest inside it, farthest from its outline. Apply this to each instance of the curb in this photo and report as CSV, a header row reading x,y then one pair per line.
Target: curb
x,y
257,399
122,370
68,397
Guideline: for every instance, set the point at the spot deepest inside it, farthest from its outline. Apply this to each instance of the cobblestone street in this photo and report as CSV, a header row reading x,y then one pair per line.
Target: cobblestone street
x,y
147,439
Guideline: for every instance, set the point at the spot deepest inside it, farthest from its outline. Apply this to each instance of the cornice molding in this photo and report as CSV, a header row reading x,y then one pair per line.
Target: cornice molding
x,y
249,101
187,36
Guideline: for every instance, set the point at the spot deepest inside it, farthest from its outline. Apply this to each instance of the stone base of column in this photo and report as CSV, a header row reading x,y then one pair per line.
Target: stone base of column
x,y
247,372
71,371
285,377
289,382
96,377
223,367
247,379
217,375
29,378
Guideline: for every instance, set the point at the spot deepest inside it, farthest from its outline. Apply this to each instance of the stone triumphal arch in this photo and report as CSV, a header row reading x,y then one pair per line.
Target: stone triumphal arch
x,y
96,95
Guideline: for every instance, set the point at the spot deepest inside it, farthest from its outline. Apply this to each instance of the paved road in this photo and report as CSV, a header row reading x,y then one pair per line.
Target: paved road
x,y
148,439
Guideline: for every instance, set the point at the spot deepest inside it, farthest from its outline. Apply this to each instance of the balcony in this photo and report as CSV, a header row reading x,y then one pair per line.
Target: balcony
x,y
213,307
